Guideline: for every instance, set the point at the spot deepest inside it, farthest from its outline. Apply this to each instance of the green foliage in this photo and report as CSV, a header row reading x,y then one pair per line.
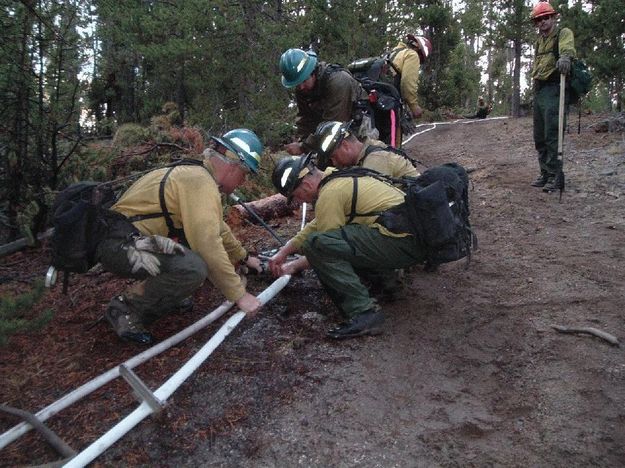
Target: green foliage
x,y
217,64
14,316
131,134
90,163
461,79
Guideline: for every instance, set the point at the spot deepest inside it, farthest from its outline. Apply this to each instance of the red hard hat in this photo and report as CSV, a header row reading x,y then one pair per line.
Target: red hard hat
x,y
421,43
542,9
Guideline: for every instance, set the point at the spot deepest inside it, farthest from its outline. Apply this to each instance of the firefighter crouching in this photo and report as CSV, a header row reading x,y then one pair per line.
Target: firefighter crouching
x,y
170,272
337,246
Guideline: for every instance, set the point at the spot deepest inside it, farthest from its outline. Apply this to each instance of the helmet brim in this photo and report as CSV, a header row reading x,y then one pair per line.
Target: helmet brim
x,y
295,180
243,158
303,76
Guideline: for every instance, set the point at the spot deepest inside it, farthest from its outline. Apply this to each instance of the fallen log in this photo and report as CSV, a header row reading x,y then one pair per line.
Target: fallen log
x,y
588,330
268,208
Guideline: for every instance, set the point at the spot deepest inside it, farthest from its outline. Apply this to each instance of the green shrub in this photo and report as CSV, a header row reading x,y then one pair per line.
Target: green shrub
x,y
13,313
131,134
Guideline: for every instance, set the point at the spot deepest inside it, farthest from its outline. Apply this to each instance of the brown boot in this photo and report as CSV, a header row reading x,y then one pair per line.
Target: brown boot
x,y
126,323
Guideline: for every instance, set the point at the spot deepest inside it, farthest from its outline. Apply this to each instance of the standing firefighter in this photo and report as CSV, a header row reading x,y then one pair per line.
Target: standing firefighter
x,y
182,201
554,50
406,60
322,92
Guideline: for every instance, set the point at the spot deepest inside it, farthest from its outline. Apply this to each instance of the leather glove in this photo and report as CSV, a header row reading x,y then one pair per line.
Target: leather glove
x,y
564,64
142,259
141,253
158,244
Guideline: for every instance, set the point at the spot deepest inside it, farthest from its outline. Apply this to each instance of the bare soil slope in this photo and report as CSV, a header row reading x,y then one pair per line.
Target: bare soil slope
x,y
469,371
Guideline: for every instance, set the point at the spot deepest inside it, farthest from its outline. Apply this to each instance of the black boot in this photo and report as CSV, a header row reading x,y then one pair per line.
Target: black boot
x,y
550,186
367,323
186,305
540,181
126,323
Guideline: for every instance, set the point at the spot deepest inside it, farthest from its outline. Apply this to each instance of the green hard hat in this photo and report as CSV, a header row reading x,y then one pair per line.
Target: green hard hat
x,y
296,66
245,144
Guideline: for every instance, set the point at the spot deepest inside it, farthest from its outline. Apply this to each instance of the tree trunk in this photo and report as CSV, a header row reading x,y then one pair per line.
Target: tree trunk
x,y
516,80
15,164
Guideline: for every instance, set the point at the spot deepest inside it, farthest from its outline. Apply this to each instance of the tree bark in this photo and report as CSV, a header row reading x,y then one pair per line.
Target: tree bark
x,y
516,79
267,208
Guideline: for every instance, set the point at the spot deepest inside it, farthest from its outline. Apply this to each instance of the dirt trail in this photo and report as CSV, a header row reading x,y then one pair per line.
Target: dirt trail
x,y
469,371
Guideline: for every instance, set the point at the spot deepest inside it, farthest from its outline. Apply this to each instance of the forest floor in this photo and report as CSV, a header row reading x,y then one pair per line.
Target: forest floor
x,y
468,372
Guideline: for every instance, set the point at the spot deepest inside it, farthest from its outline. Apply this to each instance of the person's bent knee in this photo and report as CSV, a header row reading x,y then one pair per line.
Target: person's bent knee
x,y
311,245
189,269
196,266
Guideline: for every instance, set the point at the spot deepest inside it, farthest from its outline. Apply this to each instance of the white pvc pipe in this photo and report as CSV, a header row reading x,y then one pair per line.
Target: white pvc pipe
x,y
165,390
436,124
87,388
303,216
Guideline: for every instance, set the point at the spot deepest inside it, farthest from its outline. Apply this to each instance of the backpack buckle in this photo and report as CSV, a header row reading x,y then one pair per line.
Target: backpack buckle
x,y
51,275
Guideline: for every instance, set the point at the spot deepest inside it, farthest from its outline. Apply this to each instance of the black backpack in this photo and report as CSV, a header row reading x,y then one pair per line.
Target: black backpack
x,y
435,210
373,74
82,219
438,203
377,69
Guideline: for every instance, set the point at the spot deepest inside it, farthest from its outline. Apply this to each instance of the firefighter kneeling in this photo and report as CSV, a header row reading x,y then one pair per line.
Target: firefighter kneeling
x,y
345,239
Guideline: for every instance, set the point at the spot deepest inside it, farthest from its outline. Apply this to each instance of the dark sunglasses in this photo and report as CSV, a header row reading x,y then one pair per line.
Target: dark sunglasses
x,y
542,18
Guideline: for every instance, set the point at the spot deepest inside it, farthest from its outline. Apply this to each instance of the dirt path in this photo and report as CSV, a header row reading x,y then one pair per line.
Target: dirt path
x,y
469,371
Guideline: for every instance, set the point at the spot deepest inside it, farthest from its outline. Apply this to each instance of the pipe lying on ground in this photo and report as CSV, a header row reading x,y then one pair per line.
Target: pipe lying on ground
x,y
435,124
165,390
19,244
89,387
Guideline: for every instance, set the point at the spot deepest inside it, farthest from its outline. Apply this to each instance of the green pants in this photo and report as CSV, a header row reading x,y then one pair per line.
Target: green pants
x,y
336,256
546,110
154,296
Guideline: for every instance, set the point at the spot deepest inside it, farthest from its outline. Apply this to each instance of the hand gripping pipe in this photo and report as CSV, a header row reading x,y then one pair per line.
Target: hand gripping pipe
x,y
89,387
165,391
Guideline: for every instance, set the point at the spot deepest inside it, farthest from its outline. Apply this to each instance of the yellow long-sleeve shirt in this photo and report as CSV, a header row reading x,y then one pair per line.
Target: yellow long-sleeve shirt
x,y
385,162
544,66
194,203
408,63
334,205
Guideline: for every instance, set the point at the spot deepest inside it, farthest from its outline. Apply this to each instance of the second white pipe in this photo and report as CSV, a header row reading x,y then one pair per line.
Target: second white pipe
x,y
165,390
88,387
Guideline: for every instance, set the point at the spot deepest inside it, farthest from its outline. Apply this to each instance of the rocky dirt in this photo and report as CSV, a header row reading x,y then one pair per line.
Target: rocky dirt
x,y
469,371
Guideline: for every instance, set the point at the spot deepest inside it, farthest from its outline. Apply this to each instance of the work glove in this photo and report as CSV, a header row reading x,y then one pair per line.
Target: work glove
x,y
142,259
141,253
564,64
159,244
